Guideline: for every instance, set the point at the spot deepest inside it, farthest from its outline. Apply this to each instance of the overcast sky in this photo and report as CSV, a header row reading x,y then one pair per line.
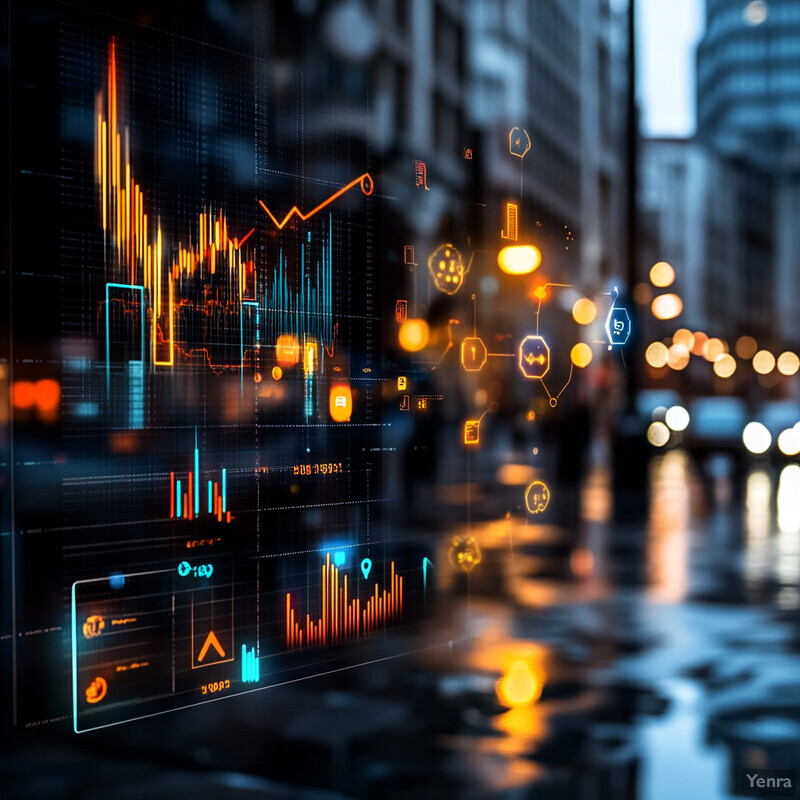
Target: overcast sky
x,y
668,32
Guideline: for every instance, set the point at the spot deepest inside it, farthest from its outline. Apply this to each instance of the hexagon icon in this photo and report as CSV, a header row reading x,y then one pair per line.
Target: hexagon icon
x,y
446,268
618,326
473,354
534,357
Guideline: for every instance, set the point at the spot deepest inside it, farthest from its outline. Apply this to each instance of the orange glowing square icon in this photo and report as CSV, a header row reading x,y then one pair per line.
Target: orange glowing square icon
x,y
341,402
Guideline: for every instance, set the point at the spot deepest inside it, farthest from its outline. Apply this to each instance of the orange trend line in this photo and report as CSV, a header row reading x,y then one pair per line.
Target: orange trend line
x,y
367,186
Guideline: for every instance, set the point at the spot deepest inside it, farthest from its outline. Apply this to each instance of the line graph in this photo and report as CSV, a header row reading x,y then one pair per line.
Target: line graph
x,y
364,180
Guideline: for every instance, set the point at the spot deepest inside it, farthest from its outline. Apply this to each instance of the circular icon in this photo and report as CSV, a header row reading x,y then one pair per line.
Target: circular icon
x,y
537,496
93,626
184,568
367,185
96,690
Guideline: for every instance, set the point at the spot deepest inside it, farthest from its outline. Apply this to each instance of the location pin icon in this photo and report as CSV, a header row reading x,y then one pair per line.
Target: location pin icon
x,y
366,566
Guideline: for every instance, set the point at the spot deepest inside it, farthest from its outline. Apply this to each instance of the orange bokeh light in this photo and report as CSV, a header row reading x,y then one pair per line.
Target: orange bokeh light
x,y
47,393
24,394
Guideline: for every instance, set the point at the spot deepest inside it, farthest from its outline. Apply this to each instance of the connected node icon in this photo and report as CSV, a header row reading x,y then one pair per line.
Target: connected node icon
x,y
537,496
473,354
534,357
618,326
446,268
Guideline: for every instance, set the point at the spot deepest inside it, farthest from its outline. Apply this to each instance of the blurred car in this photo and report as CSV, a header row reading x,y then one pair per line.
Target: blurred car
x,y
716,424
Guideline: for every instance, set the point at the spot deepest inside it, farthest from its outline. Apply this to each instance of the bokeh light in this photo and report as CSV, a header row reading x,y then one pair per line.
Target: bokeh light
x,y
685,337
700,340
413,335
763,362
47,394
724,365
642,294
713,349
584,311
755,12
662,274
658,434
519,259
581,355
520,685
677,418
746,347
789,442
24,394
788,363
666,306
756,438
656,354
287,350
678,356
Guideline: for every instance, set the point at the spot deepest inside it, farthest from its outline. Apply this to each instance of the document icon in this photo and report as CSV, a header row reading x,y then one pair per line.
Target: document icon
x,y
472,431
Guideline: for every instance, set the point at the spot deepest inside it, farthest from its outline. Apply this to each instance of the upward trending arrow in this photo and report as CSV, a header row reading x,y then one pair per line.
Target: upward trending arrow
x,y
211,641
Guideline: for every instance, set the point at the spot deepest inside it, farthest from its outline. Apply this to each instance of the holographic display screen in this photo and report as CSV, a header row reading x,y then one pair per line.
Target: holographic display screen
x,y
201,512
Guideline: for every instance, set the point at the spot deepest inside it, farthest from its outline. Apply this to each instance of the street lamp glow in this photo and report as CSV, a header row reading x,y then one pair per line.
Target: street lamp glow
x,y
724,365
657,354
756,438
658,434
581,355
413,335
789,442
662,274
584,311
666,306
763,362
678,356
713,349
746,347
677,418
683,336
788,363
520,259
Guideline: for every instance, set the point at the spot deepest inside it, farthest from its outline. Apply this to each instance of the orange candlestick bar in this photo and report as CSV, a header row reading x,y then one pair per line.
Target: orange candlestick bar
x,y
341,614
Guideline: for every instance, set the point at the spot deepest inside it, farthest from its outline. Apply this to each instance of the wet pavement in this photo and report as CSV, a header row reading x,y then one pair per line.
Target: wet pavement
x,y
594,660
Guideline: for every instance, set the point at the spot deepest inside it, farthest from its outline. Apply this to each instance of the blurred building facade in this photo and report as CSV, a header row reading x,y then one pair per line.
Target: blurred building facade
x,y
722,206
560,75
